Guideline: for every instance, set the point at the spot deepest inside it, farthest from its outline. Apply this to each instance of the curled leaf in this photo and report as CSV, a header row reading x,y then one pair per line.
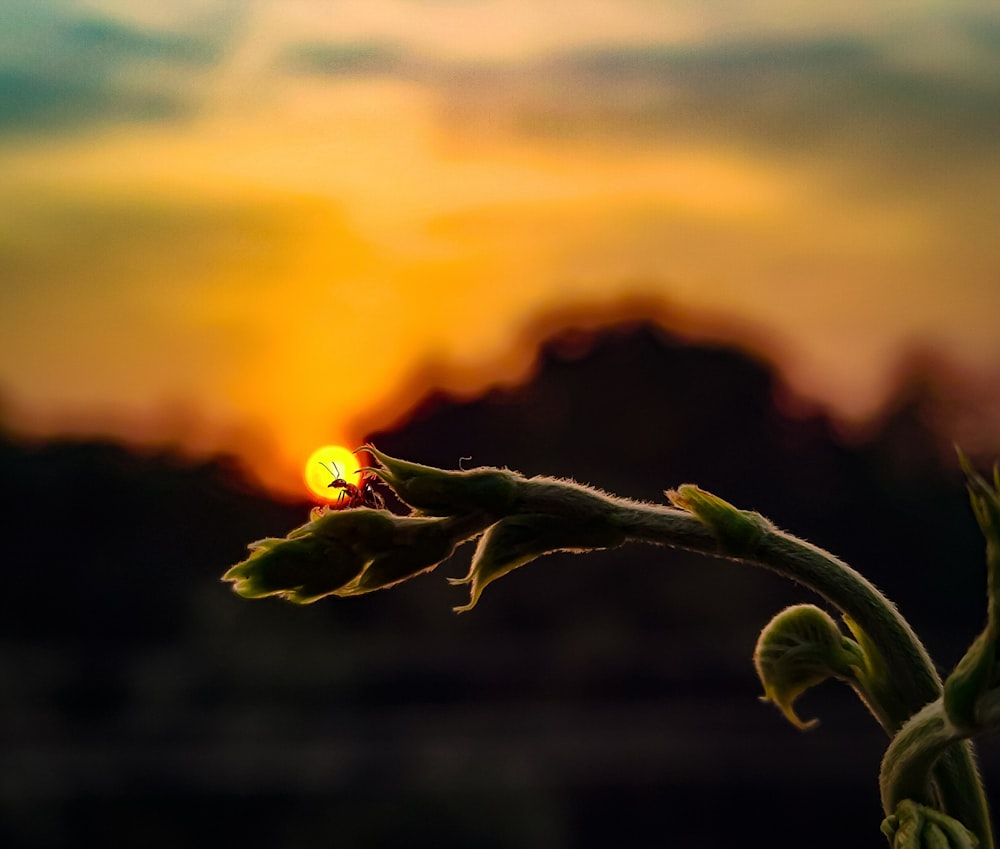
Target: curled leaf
x,y
798,649
916,826
519,539
437,492
737,531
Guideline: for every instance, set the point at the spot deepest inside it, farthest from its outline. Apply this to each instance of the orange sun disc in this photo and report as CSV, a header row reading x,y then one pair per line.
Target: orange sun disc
x,y
324,466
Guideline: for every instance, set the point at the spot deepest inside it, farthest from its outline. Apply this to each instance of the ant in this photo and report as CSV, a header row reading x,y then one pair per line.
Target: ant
x,y
361,495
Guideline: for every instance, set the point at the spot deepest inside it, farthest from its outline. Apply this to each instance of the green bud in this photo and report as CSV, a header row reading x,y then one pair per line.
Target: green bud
x,y
798,649
300,570
737,531
346,552
915,826
436,492
519,539
977,673
971,679
986,506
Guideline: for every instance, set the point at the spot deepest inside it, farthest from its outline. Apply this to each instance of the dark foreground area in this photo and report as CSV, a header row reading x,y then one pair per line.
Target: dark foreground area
x,y
587,701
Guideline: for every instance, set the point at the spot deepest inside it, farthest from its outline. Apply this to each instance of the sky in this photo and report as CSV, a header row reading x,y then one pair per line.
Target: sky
x,y
265,225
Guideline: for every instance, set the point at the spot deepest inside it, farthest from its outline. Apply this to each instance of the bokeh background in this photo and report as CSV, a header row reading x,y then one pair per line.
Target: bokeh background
x,y
749,245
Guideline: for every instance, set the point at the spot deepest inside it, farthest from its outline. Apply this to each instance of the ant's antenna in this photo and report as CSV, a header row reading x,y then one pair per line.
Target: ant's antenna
x,y
334,471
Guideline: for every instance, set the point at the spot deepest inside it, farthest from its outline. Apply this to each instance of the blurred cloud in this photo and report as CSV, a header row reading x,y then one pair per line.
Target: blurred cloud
x,y
278,214
63,67
348,59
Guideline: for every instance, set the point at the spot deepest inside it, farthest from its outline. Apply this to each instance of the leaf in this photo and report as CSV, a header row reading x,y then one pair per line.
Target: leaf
x,y
519,539
426,546
798,649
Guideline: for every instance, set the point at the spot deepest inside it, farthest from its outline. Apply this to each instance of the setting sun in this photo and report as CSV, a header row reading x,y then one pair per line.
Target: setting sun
x,y
325,465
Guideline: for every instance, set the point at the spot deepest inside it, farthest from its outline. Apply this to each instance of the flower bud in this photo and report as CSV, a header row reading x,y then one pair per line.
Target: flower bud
x,y
347,552
798,649
737,531
301,569
519,539
436,492
916,826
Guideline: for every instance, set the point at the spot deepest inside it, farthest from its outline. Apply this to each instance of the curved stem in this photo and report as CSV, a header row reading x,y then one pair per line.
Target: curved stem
x,y
915,682
914,677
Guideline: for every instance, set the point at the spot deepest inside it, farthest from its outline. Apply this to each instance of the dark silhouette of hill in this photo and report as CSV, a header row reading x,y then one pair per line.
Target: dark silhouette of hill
x,y
144,704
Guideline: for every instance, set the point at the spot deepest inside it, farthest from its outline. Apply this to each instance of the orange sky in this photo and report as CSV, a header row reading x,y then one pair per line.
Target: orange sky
x,y
252,225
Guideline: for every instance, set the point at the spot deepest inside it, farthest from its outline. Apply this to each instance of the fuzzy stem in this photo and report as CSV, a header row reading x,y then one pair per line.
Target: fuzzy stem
x,y
914,679
913,671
